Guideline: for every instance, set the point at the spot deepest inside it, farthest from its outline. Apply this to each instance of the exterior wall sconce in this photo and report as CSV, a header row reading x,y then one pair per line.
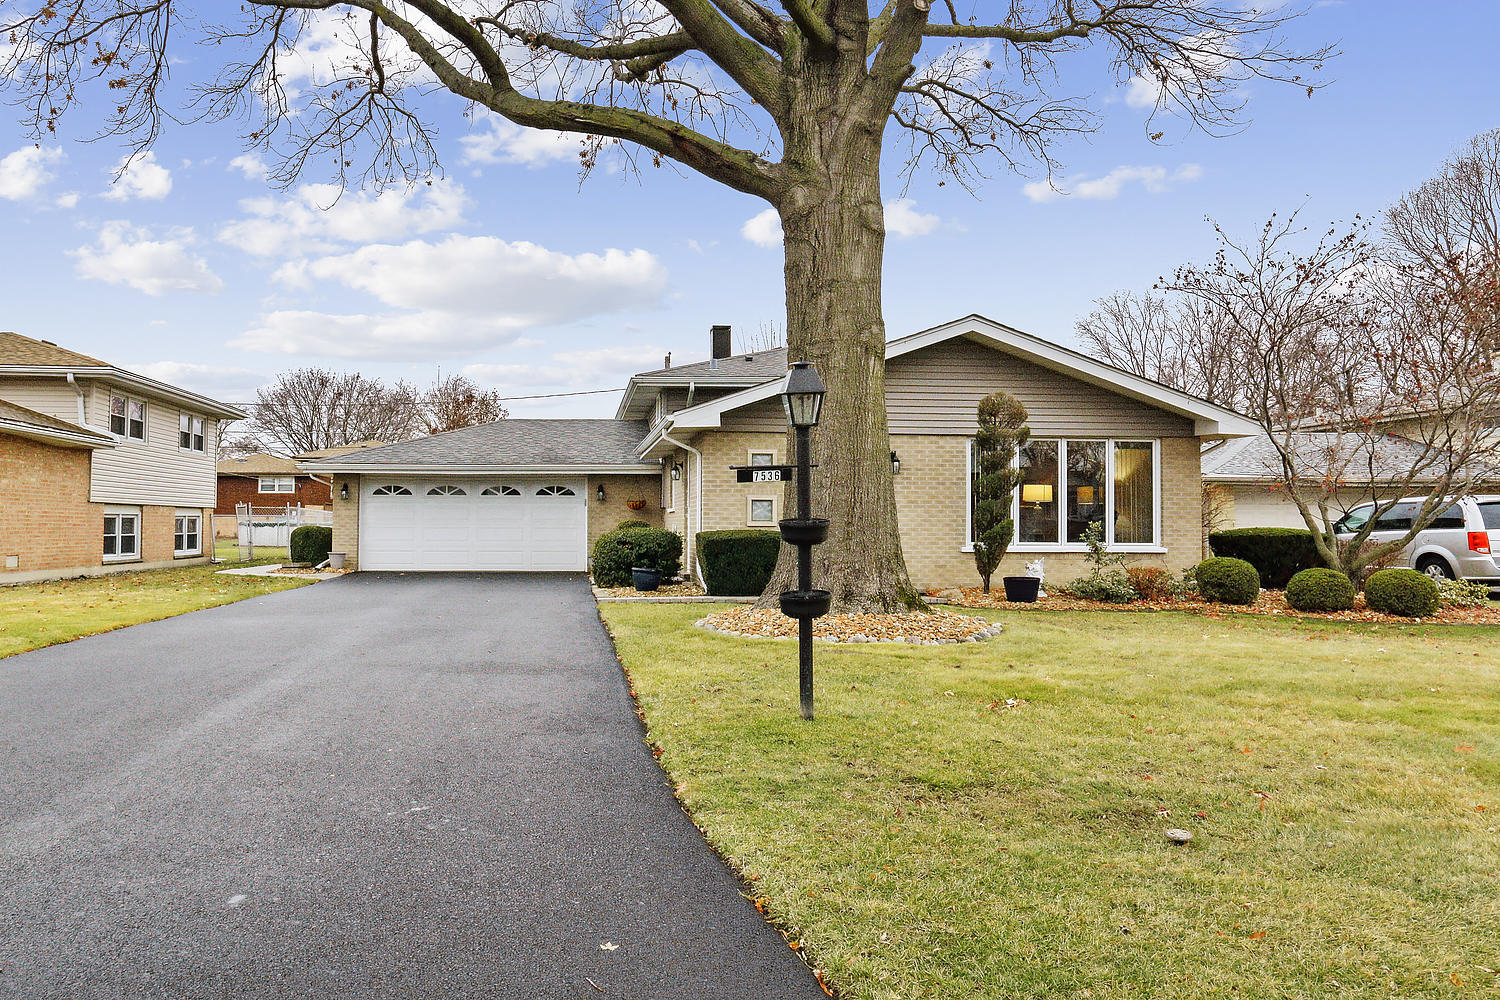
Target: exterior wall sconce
x,y
895,464
344,492
600,493
676,471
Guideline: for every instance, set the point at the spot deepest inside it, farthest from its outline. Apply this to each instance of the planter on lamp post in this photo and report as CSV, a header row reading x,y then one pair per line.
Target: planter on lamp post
x,y
803,400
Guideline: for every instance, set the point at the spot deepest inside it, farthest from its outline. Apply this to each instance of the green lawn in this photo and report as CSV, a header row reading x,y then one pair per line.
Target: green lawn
x,y
928,837
40,614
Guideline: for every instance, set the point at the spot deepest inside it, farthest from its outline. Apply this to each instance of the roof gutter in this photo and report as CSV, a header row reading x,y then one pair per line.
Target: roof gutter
x,y
408,469
211,407
39,432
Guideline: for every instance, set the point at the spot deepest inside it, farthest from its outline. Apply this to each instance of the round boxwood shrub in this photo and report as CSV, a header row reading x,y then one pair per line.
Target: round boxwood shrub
x,y
311,543
616,552
1227,580
631,524
1403,592
1320,590
1276,553
739,562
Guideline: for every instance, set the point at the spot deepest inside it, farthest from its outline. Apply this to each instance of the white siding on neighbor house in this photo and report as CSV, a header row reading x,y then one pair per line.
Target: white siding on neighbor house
x,y
155,471
937,390
52,396
1261,507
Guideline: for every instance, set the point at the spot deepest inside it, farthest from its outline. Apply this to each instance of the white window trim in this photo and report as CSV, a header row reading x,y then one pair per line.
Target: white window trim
x,y
752,523
1155,547
196,516
201,434
750,454
109,417
260,485
139,534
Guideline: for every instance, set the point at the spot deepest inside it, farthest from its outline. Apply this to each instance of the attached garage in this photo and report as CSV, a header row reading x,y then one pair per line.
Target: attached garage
x,y
515,524
517,495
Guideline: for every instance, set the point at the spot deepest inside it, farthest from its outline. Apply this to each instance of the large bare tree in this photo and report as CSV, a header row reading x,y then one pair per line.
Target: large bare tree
x,y
456,402
786,101
309,409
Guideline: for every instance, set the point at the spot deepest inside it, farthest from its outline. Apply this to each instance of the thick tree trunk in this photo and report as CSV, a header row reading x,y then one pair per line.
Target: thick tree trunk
x,y
835,240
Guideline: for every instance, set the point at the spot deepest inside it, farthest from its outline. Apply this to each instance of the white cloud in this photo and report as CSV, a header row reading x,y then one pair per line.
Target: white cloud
x,y
902,220
142,178
123,254
764,229
599,367
462,293
1154,180
224,382
249,164
67,200
322,218
1141,93
506,142
24,172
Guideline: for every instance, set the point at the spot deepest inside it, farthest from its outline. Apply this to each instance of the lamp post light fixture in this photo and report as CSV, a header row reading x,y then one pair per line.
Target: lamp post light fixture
x,y
803,401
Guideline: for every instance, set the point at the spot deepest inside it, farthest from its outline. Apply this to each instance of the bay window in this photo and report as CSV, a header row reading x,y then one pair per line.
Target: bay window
x,y
1069,483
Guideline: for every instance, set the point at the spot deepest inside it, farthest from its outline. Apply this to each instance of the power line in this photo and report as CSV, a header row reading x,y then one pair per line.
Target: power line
x,y
504,399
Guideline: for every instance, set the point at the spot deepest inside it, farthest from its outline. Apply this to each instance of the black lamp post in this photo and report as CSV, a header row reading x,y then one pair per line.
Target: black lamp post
x,y
803,400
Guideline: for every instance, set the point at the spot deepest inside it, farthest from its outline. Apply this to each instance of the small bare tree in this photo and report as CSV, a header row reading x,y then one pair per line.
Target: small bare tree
x,y
311,408
456,402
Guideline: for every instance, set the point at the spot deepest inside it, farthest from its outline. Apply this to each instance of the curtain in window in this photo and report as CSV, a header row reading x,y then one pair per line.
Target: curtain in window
x,y
1134,487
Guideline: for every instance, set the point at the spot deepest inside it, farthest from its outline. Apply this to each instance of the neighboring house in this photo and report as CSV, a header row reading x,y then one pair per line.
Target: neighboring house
x,y
1245,474
100,469
1106,446
263,480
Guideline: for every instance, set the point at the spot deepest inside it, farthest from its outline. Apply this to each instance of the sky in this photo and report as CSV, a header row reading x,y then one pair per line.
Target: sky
x,y
195,269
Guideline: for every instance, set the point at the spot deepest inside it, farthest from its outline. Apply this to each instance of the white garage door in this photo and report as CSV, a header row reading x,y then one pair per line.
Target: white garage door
x,y
481,524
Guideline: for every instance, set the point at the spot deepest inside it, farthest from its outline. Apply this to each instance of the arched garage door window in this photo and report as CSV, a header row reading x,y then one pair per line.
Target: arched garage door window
x,y
555,491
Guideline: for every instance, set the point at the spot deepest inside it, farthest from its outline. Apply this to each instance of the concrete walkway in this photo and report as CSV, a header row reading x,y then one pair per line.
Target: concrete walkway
x,y
384,786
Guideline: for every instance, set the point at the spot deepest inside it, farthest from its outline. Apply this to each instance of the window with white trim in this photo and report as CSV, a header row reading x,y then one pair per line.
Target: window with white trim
x,y
187,536
1069,483
127,417
189,432
762,458
278,484
760,511
122,535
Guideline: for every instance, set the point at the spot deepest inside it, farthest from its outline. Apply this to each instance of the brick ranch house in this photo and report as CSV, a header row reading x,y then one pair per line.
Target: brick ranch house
x,y
263,480
101,470
533,494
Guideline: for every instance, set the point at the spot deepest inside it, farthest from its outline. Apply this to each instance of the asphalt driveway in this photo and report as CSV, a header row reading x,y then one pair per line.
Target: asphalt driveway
x,y
381,786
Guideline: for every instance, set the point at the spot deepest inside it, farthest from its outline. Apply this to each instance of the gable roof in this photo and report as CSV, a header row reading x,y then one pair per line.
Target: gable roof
x,y
745,369
509,445
22,357
29,423
1256,460
258,464
341,449
1209,420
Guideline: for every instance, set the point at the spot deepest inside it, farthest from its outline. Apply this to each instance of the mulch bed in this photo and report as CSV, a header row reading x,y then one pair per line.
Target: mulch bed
x,y
1270,603
665,590
940,628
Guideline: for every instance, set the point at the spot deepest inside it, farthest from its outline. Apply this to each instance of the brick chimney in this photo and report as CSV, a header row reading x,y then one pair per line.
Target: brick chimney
x,y
720,345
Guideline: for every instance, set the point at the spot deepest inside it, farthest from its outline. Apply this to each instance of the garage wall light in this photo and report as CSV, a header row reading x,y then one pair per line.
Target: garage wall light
x,y
600,493
344,492
676,471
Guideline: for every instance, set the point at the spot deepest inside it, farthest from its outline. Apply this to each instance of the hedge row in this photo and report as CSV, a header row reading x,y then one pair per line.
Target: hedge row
x,y
1277,554
738,563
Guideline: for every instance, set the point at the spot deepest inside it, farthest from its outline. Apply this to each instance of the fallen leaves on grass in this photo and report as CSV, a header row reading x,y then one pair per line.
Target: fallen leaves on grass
x,y
936,628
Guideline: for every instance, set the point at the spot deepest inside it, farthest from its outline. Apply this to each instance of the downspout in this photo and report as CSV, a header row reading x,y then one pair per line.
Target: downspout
x,y
692,537
78,390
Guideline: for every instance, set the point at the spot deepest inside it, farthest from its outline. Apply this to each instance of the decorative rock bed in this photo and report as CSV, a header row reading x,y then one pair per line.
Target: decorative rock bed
x,y
939,628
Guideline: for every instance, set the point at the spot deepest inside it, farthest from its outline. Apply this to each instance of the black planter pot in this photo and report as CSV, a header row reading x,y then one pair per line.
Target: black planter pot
x,y
805,603
1021,589
810,532
644,578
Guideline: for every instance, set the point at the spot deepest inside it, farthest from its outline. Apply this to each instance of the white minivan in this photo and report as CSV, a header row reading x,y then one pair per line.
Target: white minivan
x,y
1456,546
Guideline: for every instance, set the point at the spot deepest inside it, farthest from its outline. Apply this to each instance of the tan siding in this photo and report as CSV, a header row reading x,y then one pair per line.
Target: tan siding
x,y
52,396
764,417
937,390
155,471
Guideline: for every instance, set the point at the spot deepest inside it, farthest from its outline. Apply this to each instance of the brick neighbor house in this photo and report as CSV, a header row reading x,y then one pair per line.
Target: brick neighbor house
x,y
1106,446
263,480
101,469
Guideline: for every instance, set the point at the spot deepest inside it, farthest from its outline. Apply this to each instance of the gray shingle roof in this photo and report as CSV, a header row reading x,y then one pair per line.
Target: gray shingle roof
x,y
44,422
1256,458
757,365
512,442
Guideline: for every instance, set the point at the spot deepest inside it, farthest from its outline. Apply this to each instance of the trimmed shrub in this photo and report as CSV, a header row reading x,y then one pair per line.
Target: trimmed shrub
x,y
1111,586
311,543
1320,590
1403,592
630,524
1152,582
1277,554
1463,594
739,562
616,552
1227,580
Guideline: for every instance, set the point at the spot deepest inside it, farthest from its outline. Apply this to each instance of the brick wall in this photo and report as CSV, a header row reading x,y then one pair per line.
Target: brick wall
x,y
346,520
726,502
246,489
46,520
618,491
